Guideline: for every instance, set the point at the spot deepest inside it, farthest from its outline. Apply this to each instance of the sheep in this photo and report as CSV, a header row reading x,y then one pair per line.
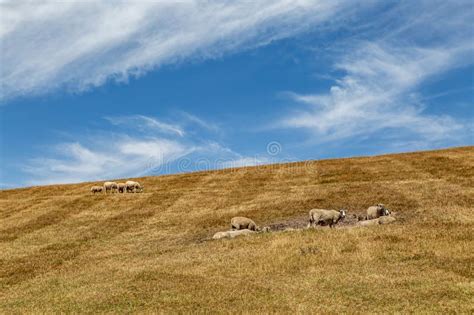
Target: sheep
x,y
325,217
368,222
110,186
377,211
232,234
386,220
96,189
132,186
220,235
380,220
121,188
241,223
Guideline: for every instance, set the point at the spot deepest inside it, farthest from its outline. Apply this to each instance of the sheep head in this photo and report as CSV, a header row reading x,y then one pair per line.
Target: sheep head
x,y
343,213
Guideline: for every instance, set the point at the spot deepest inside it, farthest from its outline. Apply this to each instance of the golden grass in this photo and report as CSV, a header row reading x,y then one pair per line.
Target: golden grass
x,y
65,250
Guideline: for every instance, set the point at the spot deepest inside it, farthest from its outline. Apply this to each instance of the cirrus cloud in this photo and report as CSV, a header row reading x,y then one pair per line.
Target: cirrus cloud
x,y
82,44
134,152
377,90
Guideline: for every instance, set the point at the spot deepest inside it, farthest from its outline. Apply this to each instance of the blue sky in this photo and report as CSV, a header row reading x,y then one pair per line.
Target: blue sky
x,y
92,91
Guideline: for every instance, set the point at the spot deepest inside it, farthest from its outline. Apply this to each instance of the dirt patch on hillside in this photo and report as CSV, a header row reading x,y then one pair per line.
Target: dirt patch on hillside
x,y
293,223
301,222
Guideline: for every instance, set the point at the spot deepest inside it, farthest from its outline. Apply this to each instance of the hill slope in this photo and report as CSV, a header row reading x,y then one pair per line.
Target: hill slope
x,y
63,249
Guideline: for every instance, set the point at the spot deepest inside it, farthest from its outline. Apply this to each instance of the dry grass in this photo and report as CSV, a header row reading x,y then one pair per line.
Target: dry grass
x,y
65,250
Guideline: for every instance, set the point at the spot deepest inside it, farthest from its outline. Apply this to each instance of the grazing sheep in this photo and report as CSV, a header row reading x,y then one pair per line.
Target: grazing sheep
x,y
110,186
96,189
377,211
132,186
325,217
232,234
121,187
241,223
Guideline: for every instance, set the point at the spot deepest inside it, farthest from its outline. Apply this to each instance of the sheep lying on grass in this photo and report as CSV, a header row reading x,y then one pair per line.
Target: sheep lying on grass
x,y
325,217
232,234
242,223
386,220
235,233
381,220
377,211
96,189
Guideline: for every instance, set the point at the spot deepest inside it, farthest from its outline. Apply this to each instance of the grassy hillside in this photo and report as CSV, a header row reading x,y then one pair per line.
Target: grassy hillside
x,y
63,249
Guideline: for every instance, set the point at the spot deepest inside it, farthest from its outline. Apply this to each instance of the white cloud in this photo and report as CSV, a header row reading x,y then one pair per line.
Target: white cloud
x,y
82,44
6,185
200,122
379,93
75,162
145,123
244,161
156,148
375,94
107,155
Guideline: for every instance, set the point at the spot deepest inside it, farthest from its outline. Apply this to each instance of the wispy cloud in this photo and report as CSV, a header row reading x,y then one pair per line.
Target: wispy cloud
x,y
108,155
76,162
6,185
379,94
245,161
145,146
145,123
81,44
200,122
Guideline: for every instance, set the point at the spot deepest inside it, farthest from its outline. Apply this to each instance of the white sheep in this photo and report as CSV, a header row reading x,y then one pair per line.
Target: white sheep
x,y
110,186
368,222
241,223
377,211
232,234
387,220
122,188
325,217
96,189
132,186
380,220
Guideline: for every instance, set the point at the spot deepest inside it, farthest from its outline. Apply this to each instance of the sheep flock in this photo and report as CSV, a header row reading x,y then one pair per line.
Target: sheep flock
x,y
375,215
113,187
